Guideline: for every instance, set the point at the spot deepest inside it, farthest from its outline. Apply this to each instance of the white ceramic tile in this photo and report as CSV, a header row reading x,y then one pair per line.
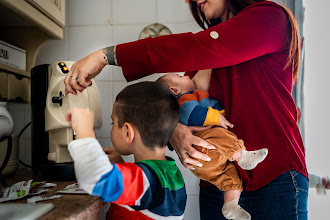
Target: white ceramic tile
x,y
192,207
117,87
53,50
117,74
106,97
177,28
105,75
133,11
127,33
173,11
105,142
83,41
87,12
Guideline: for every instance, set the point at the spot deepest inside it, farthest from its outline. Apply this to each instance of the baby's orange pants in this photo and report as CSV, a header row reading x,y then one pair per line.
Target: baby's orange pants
x,y
220,171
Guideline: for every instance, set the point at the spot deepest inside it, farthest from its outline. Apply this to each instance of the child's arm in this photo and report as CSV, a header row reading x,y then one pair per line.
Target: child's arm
x,y
82,122
122,183
113,155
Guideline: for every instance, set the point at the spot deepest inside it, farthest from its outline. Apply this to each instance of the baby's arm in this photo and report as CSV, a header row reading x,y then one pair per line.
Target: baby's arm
x,y
196,109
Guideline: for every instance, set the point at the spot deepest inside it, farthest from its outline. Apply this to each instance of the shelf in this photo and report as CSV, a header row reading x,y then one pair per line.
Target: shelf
x,y
29,16
10,69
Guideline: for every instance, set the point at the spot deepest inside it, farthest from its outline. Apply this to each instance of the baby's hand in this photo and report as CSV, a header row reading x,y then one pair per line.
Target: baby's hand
x,y
224,123
82,122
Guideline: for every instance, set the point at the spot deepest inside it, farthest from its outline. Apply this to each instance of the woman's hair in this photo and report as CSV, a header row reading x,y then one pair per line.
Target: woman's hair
x,y
151,108
236,6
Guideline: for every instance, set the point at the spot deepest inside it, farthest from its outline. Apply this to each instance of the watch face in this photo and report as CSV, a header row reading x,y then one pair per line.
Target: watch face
x,y
154,30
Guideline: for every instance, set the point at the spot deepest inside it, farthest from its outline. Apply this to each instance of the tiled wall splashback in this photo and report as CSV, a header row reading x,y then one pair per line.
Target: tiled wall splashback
x,y
92,25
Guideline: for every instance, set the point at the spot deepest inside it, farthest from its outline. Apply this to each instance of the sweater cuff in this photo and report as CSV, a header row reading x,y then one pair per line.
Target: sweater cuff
x,y
212,117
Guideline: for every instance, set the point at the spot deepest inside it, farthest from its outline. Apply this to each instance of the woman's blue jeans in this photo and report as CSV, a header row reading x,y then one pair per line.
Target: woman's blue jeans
x,y
285,198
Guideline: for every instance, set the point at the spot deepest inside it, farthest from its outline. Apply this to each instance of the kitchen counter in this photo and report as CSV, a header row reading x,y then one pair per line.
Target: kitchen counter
x,y
69,206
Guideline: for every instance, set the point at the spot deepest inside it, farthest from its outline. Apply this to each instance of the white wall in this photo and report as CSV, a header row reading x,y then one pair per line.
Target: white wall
x,y
317,99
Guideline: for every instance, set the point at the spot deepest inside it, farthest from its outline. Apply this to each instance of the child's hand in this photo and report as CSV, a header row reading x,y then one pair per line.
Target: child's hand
x,y
113,154
224,123
82,122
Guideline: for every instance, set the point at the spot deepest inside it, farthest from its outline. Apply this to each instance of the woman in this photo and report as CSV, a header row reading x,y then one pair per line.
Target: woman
x,y
252,47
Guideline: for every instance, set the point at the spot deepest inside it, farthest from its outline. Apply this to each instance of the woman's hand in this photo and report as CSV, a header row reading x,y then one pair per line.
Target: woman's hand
x,y
82,122
182,141
83,71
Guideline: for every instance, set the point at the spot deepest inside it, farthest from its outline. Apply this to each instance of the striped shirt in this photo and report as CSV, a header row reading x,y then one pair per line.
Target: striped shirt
x,y
150,189
197,109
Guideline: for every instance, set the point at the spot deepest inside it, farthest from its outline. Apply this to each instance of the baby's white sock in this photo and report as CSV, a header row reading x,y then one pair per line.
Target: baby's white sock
x,y
250,159
231,210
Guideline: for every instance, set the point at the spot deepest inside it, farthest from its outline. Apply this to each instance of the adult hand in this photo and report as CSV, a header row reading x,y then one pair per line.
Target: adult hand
x,y
83,71
82,122
182,141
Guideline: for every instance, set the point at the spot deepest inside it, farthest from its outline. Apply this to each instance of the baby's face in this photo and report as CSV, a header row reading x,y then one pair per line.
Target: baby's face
x,y
182,82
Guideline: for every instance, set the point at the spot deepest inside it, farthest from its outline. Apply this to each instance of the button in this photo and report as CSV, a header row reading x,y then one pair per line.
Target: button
x,y
214,34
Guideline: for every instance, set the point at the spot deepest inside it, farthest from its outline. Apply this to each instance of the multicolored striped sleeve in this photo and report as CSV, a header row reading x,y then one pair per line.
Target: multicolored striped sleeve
x,y
197,109
123,183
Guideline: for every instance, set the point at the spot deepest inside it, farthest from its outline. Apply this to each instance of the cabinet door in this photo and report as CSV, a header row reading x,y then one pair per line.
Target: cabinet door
x,y
54,9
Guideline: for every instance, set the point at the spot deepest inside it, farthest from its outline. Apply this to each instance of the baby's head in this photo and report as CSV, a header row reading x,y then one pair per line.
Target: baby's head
x,y
151,109
177,84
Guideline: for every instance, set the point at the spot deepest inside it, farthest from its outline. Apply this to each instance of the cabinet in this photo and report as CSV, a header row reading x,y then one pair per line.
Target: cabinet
x,y
27,24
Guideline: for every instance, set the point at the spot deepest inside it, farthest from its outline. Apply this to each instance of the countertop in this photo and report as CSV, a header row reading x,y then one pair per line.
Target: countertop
x,y
69,206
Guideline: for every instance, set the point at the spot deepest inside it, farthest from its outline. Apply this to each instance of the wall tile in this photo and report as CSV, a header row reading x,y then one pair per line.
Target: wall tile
x,y
105,141
53,50
177,28
105,75
106,97
173,11
133,12
84,40
127,33
86,12
117,74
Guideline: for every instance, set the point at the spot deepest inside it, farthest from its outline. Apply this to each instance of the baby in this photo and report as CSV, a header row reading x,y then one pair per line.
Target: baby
x,y
197,109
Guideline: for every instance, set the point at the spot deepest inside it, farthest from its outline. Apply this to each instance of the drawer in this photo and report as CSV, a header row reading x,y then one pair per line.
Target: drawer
x,y
18,89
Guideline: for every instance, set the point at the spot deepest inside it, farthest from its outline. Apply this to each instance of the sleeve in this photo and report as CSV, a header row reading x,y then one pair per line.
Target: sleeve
x,y
253,32
123,183
196,109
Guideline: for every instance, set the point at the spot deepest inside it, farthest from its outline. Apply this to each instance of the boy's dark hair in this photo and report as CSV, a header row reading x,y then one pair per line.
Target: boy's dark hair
x,y
151,108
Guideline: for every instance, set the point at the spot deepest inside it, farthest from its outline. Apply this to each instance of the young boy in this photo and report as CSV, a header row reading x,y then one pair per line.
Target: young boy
x,y
144,117
197,109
